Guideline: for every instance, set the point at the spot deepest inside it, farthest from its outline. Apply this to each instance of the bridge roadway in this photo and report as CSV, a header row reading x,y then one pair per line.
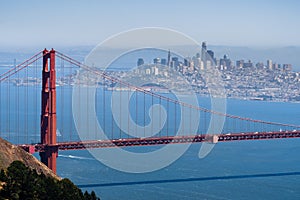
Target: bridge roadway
x,y
213,138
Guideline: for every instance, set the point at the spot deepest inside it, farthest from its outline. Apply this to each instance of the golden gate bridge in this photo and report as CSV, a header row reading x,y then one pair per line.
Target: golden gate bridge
x,y
49,128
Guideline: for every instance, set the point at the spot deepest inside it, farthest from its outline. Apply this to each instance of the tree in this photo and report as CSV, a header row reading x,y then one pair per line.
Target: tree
x,y
93,196
69,190
2,176
24,183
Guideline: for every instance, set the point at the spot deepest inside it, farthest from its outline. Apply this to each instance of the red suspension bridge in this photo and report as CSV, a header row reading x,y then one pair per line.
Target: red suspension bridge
x,y
50,127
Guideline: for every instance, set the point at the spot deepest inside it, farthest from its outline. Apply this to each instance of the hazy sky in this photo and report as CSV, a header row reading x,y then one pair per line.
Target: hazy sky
x,y
82,22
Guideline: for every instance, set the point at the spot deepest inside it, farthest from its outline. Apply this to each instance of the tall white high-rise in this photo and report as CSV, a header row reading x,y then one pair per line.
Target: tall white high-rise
x,y
269,64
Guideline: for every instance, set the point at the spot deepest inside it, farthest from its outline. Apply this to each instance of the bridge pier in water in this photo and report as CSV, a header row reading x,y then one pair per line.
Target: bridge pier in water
x,y
48,111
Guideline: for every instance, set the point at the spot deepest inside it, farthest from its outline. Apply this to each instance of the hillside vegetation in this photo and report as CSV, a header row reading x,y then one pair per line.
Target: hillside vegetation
x,y
22,176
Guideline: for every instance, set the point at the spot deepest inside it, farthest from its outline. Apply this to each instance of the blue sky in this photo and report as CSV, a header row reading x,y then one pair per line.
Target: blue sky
x,y
219,22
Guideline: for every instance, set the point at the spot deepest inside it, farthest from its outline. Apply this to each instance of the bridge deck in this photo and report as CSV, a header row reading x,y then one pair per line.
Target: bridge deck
x,y
213,138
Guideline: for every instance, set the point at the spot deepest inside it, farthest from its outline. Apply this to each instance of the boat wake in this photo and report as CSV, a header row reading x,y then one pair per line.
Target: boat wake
x,y
75,157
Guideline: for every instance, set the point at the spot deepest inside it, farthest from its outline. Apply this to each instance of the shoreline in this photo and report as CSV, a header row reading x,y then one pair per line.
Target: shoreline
x,y
166,91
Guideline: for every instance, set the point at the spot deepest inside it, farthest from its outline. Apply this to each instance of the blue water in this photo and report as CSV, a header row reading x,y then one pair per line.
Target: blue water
x,y
179,180
267,169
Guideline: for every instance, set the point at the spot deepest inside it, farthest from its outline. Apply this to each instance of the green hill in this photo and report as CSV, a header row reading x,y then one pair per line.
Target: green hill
x,y
22,176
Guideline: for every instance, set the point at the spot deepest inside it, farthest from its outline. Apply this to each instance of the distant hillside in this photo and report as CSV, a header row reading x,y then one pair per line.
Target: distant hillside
x,y
10,153
280,55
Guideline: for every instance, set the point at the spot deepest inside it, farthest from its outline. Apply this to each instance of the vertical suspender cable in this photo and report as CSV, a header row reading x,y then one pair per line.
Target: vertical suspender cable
x,y
63,112
18,107
159,119
26,106
120,104
168,117
87,88
144,114
175,119
182,119
1,109
205,121
190,120
112,104
128,113
36,103
8,106
152,117
104,113
136,113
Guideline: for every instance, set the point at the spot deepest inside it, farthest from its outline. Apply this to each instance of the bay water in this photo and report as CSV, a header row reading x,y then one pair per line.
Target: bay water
x,y
266,169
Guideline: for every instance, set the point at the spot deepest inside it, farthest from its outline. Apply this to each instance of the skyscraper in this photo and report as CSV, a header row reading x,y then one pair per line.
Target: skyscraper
x,y
225,62
169,58
163,61
203,52
287,67
269,64
211,54
186,62
140,62
175,62
240,63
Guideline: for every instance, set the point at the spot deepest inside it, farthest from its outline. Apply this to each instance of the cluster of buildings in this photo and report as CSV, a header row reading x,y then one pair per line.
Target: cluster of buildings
x,y
241,79
206,59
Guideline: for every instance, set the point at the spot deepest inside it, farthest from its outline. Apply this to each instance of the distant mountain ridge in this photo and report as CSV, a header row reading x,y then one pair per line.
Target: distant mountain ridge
x,y
280,55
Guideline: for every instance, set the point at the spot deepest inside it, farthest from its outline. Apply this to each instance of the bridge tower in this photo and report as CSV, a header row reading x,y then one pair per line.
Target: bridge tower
x,y
48,111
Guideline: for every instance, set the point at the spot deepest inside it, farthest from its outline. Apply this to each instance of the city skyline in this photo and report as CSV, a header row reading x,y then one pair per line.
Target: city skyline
x,y
68,23
223,63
